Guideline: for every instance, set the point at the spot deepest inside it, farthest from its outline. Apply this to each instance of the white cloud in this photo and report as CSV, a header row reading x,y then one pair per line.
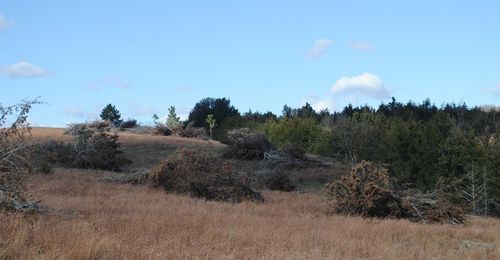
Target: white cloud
x,y
79,113
317,103
489,108
184,88
362,46
108,82
139,110
366,84
4,24
23,69
319,48
495,90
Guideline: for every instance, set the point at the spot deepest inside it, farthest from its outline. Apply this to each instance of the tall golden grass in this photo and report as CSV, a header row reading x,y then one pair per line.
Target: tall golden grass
x,y
90,219
144,150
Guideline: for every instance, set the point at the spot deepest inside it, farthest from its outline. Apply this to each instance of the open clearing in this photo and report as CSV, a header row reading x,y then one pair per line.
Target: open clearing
x,y
91,219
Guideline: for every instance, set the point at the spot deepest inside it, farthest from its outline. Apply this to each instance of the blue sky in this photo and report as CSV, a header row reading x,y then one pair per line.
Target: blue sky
x,y
144,56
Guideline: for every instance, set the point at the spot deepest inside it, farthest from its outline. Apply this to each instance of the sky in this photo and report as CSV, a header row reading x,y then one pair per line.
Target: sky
x,y
144,56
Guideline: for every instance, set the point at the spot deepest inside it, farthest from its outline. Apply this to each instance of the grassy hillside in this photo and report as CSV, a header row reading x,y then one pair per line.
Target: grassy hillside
x,y
144,151
91,219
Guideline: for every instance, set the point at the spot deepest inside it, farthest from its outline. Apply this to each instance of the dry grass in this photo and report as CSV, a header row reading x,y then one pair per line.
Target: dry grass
x,y
144,150
89,219
96,220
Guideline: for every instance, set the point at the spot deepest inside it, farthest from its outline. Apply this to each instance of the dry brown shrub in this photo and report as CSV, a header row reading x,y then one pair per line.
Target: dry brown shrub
x,y
246,145
162,129
193,132
15,156
136,177
92,148
294,151
100,124
366,191
280,181
201,174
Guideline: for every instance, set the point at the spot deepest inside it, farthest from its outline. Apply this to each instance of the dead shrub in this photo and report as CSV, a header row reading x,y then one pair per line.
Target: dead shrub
x,y
280,182
294,151
366,191
91,149
129,123
15,157
188,131
162,129
136,177
192,132
203,175
49,154
100,125
246,145
100,150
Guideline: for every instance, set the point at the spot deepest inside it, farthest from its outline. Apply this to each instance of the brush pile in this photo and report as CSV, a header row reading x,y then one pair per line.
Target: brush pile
x,y
367,192
188,131
136,177
15,201
246,145
202,175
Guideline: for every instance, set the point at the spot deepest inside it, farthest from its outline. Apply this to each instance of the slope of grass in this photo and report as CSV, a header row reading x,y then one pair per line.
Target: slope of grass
x,y
90,219
145,151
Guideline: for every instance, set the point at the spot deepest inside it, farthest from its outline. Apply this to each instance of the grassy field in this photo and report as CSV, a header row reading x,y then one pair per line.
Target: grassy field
x,y
91,219
145,151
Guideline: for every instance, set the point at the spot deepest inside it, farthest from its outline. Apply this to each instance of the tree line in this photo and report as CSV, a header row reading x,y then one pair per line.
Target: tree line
x,y
422,145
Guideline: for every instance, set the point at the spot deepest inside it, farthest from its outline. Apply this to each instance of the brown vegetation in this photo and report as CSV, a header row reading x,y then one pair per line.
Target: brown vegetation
x,y
246,145
97,220
366,191
203,175
15,157
146,150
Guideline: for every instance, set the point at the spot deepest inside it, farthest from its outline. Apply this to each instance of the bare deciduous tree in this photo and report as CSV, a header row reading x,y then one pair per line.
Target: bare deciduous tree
x,y
15,154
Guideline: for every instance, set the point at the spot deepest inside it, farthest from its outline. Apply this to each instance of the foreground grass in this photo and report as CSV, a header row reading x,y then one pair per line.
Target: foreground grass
x,y
90,219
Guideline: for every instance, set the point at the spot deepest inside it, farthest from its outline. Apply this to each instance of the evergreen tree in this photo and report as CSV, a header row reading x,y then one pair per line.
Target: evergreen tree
x,y
173,120
111,114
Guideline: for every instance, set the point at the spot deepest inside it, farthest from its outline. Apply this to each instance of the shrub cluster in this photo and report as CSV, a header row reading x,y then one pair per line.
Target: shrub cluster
x,y
188,131
247,145
129,123
280,182
303,133
90,149
15,157
367,192
203,175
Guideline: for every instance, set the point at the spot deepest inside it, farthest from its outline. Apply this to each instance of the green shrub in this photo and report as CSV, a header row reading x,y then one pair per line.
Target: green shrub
x,y
305,133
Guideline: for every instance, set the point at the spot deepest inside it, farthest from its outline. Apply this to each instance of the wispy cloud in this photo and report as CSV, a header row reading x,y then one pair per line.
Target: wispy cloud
x,y
495,90
319,48
184,88
366,84
113,82
23,69
135,109
4,23
362,46
78,112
